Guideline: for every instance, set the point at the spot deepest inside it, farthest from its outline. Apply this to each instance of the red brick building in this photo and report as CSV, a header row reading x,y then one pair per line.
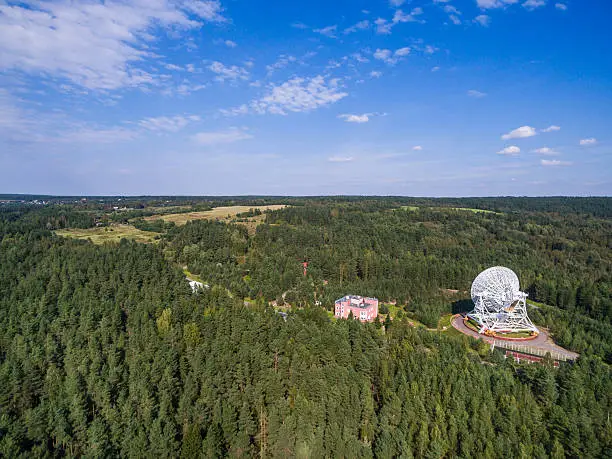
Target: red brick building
x,y
363,308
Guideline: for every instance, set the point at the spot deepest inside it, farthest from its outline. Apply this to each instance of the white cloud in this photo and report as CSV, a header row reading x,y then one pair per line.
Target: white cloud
x,y
299,95
475,93
232,72
206,9
340,159
167,124
586,142
533,4
417,148
551,128
520,133
282,61
384,55
483,20
329,31
396,3
230,43
488,4
375,74
545,151
561,6
23,124
509,151
356,118
359,58
361,25
96,45
435,69
384,26
455,19
554,162
390,57
220,137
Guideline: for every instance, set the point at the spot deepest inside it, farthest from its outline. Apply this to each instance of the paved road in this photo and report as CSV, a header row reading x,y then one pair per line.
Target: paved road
x,y
542,343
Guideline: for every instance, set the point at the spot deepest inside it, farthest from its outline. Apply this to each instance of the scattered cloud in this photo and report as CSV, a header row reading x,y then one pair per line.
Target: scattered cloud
x,y
483,20
384,26
375,74
230,43
402,51
552,128
221,137
359,58
282,61
361,25
299,95
349,118
20,122
299,25
166,123
396,3
587,142
533,4
451,9
520,133
329,31
356,118
435,69
475,93
417,148
554,162
385,55
390,57
488,4
545,151
510,151
232,73
340,159
561,6
96,45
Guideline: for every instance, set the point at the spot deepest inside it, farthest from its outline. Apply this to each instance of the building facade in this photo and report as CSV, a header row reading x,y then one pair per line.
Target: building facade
x,y
363,308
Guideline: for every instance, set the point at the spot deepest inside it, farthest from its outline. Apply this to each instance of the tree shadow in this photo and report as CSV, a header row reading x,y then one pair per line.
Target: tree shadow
x,y
462,306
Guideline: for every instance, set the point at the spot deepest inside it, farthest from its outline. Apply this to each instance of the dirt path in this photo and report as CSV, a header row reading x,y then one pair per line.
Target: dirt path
x,y
540,345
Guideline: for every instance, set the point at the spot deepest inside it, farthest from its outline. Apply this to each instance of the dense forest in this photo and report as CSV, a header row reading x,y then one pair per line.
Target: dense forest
x,y
106,351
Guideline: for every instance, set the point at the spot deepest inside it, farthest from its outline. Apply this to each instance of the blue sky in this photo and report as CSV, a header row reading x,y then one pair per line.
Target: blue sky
x,y
229,97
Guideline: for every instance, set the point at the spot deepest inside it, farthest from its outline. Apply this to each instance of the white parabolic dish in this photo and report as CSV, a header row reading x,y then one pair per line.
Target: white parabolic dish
x,y
498,287
499,304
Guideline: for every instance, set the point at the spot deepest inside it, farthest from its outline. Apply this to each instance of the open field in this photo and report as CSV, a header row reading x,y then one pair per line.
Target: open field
x,y
218,213
113,233
223,214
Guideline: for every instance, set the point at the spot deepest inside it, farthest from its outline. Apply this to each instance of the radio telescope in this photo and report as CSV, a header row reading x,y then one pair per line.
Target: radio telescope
x,y
499,305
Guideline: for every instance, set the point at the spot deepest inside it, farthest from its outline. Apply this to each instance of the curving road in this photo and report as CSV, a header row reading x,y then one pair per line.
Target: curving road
x,y
541,344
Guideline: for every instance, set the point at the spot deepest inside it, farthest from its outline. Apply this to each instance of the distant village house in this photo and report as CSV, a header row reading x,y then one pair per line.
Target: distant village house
x,y
363,308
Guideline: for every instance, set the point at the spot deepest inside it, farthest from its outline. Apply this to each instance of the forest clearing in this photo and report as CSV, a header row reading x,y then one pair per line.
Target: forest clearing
x,y
224,213
111,233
